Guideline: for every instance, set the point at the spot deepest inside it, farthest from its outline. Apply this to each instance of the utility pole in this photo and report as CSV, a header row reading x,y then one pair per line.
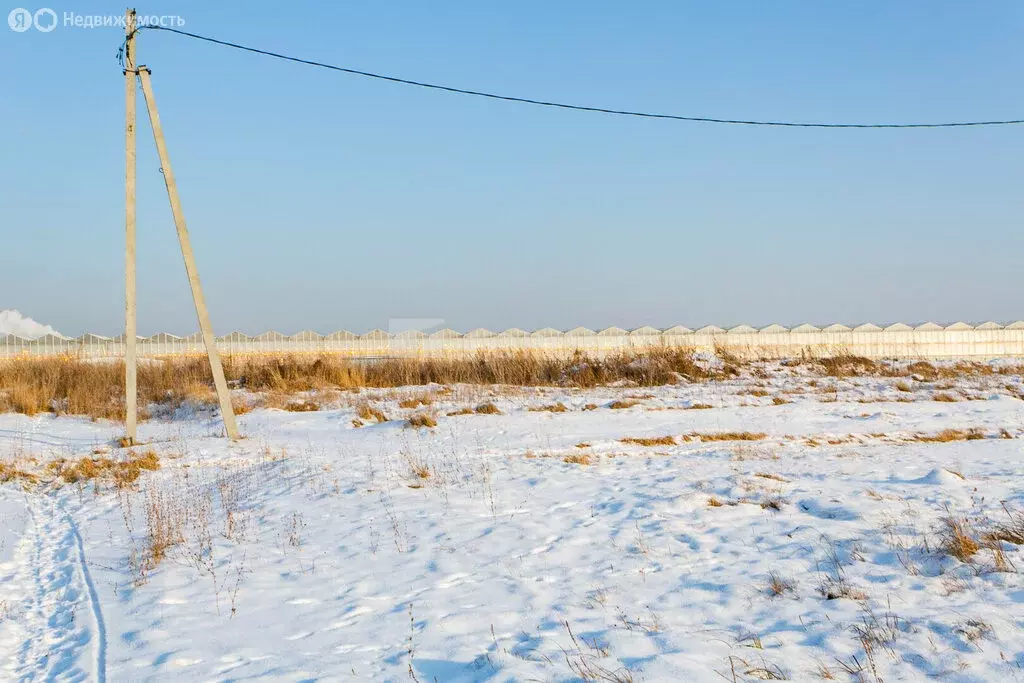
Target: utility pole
x,y
130,367
227,413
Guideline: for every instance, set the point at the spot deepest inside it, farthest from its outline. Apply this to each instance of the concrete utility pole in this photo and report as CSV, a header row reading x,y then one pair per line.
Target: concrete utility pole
x,y
130,367
227,413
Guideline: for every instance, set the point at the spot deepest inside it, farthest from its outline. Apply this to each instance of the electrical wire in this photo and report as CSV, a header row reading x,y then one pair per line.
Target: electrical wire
x,y
560,105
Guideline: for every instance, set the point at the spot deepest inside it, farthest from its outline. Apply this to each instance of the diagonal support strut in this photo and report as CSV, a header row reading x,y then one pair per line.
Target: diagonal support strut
x,y
227,413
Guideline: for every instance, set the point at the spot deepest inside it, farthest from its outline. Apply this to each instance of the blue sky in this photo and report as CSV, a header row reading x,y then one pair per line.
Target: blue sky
x,y
325,201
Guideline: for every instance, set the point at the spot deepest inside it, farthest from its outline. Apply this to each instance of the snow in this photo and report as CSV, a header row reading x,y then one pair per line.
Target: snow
x,y
13,322
312,551
13,518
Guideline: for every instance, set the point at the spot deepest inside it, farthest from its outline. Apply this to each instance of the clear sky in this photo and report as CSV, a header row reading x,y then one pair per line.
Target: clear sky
x,y
326,201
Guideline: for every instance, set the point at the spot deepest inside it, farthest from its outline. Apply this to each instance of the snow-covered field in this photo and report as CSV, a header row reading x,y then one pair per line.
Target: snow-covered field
x,y
531,544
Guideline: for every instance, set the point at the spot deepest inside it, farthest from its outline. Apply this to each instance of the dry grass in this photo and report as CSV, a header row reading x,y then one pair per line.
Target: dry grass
x,y
368,411
924,370
421,420
767,475
875,635
122,473
958,539
714,502
416,401
652,367
944,398
1010,531
552,408
947,435
699,406
974,630
482,409
836,589
78,386
622,404
846,365
834,583
302,405
727,436
823,672
68,385
11,472
739,667
585,659
779,585
578,459
240,406
649,441
165,523
74,387
1000,562
779,401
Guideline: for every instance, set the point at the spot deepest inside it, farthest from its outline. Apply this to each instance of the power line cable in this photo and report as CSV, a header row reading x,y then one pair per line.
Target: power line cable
x,y
563,105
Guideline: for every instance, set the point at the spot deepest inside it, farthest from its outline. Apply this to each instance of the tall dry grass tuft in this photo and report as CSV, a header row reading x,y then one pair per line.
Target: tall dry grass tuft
x,y
959,539
165,527
1009,531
